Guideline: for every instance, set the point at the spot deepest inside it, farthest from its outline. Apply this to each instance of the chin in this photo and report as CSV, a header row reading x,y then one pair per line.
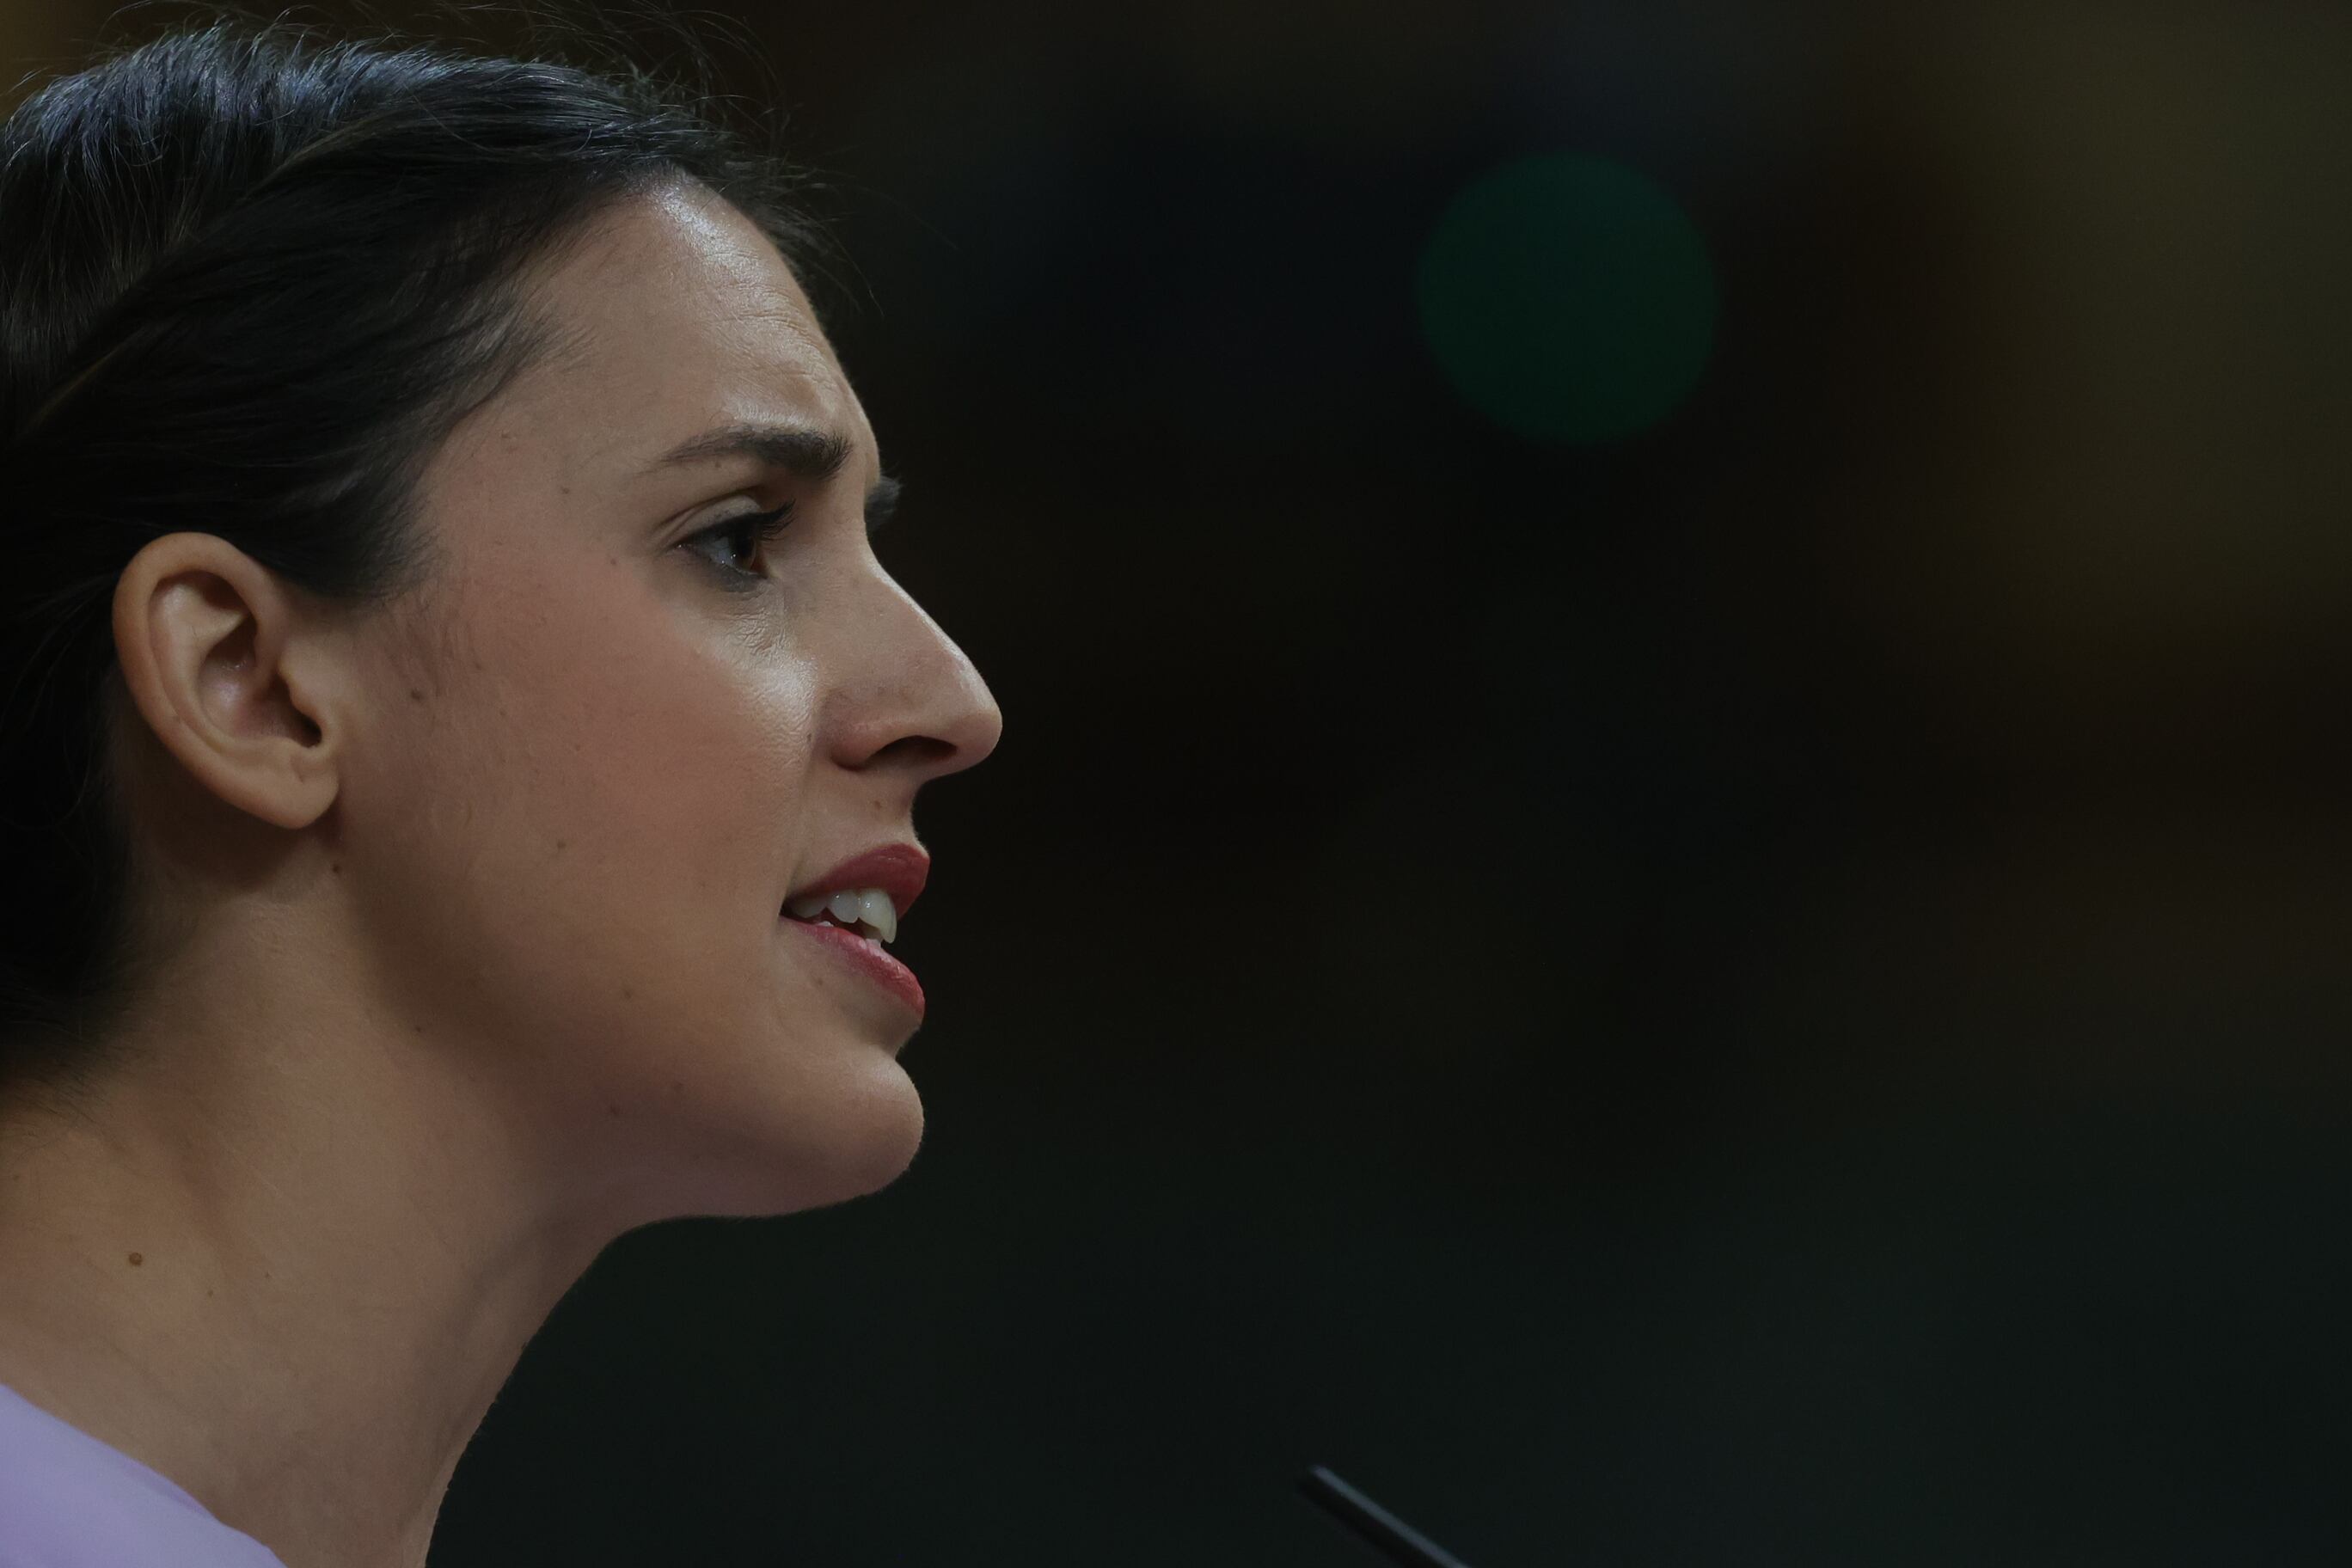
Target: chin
x,y
883,1147
865,1140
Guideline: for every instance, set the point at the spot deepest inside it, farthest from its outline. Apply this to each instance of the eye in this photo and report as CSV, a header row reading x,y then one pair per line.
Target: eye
x,y
762,528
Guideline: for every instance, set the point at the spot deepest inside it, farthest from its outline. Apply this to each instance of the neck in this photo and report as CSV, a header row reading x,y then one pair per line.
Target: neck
x,y
288,1277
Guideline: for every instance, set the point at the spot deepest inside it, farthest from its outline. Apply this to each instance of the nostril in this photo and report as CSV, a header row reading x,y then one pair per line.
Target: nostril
x,y
922,748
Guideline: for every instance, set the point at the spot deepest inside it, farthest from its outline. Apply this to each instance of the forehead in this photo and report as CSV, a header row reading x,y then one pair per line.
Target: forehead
x,y
673,314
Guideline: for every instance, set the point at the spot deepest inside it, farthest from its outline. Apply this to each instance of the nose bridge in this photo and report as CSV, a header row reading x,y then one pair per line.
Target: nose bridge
x,y
906,687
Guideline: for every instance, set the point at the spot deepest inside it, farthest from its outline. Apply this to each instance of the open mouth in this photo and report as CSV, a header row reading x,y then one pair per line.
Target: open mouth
x,y
868,912
867,950
855,928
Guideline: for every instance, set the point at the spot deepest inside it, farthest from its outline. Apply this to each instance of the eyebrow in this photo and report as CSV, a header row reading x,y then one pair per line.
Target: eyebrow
x,y
801,451
807,454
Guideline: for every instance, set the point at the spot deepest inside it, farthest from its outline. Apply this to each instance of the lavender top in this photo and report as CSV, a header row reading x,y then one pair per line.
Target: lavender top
x,y
68,1500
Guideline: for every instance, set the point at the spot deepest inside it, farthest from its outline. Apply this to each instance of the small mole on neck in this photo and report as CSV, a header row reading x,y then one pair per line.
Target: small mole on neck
x,y
136,1260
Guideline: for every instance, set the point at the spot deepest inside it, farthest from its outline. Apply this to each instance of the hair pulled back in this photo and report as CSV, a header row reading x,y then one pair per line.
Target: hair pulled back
x,y
249,280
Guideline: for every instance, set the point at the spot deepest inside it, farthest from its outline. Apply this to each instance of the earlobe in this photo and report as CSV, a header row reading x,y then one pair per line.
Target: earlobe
x,y
203,635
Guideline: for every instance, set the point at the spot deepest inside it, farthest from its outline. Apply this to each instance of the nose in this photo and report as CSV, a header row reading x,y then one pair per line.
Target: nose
x,y
917,707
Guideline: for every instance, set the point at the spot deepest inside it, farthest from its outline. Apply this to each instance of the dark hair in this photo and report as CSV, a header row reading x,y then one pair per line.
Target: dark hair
x,y
250,278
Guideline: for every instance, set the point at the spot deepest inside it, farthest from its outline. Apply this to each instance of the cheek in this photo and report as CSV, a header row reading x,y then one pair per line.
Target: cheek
x,y
604,799
669,753
574,875
686,765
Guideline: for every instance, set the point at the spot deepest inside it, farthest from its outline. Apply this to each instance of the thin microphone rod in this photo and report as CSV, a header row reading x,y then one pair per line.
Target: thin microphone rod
x,y
1384,1532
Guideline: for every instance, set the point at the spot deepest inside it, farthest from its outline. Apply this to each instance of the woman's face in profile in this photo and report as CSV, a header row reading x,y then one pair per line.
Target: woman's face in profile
x,y
617,735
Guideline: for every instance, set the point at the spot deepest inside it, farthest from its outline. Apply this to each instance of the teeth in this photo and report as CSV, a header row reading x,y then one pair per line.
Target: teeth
x,y
870,907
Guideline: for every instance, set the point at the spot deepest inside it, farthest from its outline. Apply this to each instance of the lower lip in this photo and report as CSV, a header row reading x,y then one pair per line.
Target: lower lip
x,y
869,958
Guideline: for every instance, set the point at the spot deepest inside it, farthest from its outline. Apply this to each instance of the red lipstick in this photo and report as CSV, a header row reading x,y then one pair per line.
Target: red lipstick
x,y
900,871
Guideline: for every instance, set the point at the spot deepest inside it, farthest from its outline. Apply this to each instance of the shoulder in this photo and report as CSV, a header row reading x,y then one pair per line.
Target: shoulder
x,y
68,1500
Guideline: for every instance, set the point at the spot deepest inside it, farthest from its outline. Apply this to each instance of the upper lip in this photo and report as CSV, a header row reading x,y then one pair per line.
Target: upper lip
x,y
898,870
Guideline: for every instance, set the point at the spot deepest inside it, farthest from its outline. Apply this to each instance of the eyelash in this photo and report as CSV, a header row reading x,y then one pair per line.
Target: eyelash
x,y
764,526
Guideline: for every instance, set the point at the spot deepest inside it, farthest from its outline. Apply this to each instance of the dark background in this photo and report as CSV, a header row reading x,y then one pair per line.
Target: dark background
x,y
1770,989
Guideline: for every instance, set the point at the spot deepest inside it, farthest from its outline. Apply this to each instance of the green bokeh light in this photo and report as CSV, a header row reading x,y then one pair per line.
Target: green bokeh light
x,y
1567,297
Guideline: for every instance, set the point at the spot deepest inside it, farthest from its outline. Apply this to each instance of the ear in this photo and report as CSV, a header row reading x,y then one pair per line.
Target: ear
x,y
216,659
